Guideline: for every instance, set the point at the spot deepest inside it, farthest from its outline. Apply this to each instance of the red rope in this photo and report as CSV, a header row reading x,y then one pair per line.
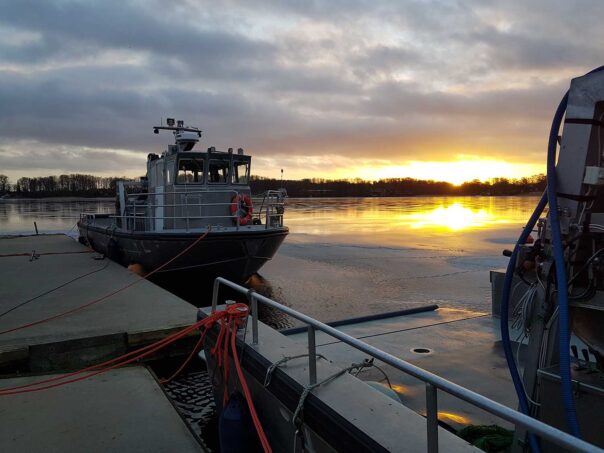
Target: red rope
x,y
107,296
186,362
118,361
236,316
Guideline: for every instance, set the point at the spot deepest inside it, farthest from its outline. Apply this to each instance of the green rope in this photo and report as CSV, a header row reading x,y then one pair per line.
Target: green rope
x,y
490,438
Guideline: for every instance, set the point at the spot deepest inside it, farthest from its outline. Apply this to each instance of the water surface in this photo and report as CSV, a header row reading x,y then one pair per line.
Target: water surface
x,y
350,256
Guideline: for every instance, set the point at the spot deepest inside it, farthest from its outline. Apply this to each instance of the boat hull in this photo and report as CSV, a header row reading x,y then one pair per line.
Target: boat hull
x,y
235,255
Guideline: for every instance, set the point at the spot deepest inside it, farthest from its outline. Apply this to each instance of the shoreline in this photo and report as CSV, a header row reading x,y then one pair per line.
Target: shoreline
x,y
85,198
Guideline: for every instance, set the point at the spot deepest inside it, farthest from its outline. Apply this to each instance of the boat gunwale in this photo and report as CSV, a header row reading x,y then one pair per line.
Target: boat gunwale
x,y
167,235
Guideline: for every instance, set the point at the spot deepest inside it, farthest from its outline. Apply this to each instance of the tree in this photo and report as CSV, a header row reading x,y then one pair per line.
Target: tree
x,y
4,184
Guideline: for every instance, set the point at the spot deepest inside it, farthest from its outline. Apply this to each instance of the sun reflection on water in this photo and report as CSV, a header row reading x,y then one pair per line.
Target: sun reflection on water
x,y
400,389
455,217
452,417
451,223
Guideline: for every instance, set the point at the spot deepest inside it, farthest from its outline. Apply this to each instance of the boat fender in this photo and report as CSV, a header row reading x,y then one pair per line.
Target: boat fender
x,y
236,432
138,269
241,205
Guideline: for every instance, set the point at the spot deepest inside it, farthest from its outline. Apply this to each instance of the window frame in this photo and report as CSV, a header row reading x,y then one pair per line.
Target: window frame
x,y
227,166
247,162
198,159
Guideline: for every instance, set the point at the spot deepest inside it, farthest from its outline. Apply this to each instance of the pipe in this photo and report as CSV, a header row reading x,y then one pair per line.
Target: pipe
x,y
359,319
561,280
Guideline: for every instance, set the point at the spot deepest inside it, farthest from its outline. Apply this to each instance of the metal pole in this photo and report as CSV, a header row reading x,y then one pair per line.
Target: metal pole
x,y
432,418
254,304
187,207
312,356
36,227
215,294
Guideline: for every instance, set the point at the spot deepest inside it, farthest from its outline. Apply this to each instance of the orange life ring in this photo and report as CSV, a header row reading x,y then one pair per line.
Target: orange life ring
x,y
242,205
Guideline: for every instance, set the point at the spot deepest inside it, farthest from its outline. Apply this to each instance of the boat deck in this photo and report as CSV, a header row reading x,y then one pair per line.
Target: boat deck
x,y
462,346
459,345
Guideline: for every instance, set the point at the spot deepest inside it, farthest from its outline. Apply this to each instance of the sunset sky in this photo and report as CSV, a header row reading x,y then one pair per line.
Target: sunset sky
x,y
448,90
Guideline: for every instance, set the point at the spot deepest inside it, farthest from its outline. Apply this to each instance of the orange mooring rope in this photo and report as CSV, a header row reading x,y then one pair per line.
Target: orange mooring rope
x,y
236,317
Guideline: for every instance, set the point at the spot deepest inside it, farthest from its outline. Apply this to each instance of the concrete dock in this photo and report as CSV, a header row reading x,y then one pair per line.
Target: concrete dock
x,y
122,410
137,316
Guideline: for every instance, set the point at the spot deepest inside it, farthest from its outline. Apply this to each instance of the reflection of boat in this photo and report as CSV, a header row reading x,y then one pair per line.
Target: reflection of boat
x,y
185,194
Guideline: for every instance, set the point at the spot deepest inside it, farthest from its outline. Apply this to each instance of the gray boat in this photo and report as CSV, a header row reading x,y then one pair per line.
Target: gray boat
x,y
187,194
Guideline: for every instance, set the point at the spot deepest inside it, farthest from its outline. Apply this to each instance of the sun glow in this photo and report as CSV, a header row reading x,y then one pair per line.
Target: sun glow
x,y
456,172
461,168
455,217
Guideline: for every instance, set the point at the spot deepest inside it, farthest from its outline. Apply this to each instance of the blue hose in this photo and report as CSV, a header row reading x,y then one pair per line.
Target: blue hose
x,y
505,333
561,281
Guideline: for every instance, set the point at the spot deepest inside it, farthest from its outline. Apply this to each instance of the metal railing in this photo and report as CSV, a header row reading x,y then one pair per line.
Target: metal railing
x,y
432,381
139,208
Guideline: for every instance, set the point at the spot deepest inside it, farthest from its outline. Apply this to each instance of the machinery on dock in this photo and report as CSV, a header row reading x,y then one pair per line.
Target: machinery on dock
x,y
562,311
185,194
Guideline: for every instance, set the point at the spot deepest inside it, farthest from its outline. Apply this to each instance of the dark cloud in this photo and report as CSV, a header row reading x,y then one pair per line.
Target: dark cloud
x,y
407,80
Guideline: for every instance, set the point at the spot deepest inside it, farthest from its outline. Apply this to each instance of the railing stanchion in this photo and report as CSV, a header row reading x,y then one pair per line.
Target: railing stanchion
x,y
312,356
432,418
187,207
215,295
254,304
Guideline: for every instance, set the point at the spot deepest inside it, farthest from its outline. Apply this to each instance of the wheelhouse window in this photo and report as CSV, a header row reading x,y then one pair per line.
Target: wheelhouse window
x,y
241,172
218,173
190,171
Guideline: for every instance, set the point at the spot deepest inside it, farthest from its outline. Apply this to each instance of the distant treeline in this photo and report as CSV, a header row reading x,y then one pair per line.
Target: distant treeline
x,y
61,186
97,186
398,187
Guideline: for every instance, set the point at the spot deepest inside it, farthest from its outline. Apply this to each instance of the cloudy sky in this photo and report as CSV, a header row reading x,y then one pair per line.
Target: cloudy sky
x,y
440,89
